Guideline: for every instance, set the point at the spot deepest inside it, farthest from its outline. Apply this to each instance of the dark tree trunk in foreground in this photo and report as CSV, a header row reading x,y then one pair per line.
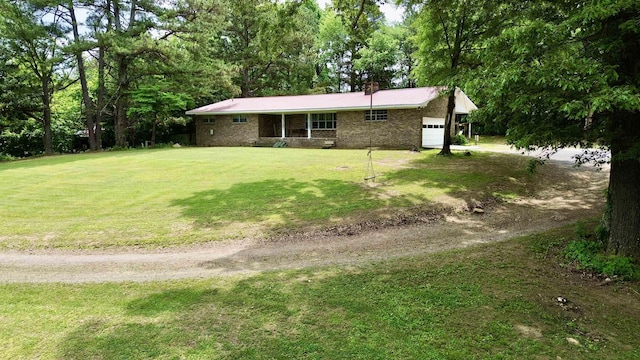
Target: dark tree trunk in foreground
x,y
624,187
448,123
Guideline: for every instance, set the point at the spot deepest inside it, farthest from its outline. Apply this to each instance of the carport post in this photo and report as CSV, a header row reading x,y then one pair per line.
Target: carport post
x,y
308,126
282,121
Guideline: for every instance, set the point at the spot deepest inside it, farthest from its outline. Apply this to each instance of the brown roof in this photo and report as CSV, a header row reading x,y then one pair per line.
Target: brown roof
x,y
383,99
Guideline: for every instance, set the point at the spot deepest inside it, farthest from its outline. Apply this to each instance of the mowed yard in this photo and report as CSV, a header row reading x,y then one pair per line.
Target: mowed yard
x,y
493,301
165,197
490,301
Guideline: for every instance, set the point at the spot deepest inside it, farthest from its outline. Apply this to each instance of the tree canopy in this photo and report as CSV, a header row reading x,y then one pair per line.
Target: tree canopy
x,y
566,74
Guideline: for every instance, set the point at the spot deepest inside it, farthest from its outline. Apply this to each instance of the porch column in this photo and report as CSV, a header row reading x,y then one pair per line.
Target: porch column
x,y
308,126
469,129
283,127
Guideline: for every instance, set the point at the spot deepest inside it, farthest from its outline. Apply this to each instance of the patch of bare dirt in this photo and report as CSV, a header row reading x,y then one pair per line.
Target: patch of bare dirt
x,y
569,194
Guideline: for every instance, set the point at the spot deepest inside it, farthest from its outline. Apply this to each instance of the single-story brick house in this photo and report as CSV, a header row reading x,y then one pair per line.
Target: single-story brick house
x,y
395,119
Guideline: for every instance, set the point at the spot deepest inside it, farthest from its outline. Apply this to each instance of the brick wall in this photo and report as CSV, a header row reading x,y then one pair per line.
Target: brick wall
x,y
401,130
226,132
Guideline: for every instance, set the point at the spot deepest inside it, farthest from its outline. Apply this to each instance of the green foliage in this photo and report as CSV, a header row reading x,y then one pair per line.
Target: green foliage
x,y
589,255
532,165
6,157
156,100
331,46
24,139
379,58
450,35
269,45
566,74
550,86
459,139
581,231
360,19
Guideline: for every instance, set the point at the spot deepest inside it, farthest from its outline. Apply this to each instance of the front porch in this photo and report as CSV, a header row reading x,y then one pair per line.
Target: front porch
x,y
297,130
297,142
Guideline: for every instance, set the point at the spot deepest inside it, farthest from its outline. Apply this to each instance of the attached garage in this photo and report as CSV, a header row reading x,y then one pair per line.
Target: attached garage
x,y
432,132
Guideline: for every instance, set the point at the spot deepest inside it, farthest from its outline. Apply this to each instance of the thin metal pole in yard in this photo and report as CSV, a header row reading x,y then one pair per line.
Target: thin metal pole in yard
x,y
371,174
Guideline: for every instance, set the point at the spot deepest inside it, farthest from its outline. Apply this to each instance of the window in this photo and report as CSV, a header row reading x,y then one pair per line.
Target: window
x,y
239,119
209,120
323,121
375,115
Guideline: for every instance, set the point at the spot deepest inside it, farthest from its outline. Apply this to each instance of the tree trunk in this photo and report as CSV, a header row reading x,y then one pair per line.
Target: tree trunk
x,y
122,63
153,134
352,78
624,187
245,86
86,99
101,91
448,123
46,116
121,104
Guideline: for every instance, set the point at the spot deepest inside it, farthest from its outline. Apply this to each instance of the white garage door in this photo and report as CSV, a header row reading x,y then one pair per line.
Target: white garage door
x,y
432,132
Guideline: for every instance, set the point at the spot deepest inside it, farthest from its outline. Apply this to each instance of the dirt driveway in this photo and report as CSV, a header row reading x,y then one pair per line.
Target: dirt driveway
x,y
572,194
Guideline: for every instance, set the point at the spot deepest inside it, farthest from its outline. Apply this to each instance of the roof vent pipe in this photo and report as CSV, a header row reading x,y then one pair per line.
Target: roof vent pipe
x,y
371,88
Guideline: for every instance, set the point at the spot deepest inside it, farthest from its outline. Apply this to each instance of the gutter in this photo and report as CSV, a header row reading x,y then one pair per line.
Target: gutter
x,y
309,110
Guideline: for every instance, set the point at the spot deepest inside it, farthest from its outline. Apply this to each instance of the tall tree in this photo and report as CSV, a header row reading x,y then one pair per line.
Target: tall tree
x,y
143,38
156,102
569,74
450,37
405,35
331,44
78,48
20,135
380,59
33,40
270,44
360,18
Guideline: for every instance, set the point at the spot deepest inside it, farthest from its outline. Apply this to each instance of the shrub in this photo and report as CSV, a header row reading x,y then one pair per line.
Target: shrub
x,y
588,255
459,140
533,164
6,157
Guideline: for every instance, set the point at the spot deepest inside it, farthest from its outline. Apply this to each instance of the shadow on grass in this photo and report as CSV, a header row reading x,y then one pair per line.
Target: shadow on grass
x,y
282,201
440,306
61,159
275,316
155,327
170,301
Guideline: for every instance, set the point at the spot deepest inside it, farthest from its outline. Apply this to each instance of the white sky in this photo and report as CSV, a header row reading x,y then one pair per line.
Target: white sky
x,y
392,13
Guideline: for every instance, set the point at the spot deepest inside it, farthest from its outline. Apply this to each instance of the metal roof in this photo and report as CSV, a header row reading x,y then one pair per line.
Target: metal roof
x,y
384,99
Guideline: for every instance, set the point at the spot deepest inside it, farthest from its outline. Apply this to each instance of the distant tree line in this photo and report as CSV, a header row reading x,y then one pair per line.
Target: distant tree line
x,y
118,72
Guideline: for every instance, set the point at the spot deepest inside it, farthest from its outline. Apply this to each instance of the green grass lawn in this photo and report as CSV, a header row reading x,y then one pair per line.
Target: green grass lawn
x,y
154,198
494,301
489,141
